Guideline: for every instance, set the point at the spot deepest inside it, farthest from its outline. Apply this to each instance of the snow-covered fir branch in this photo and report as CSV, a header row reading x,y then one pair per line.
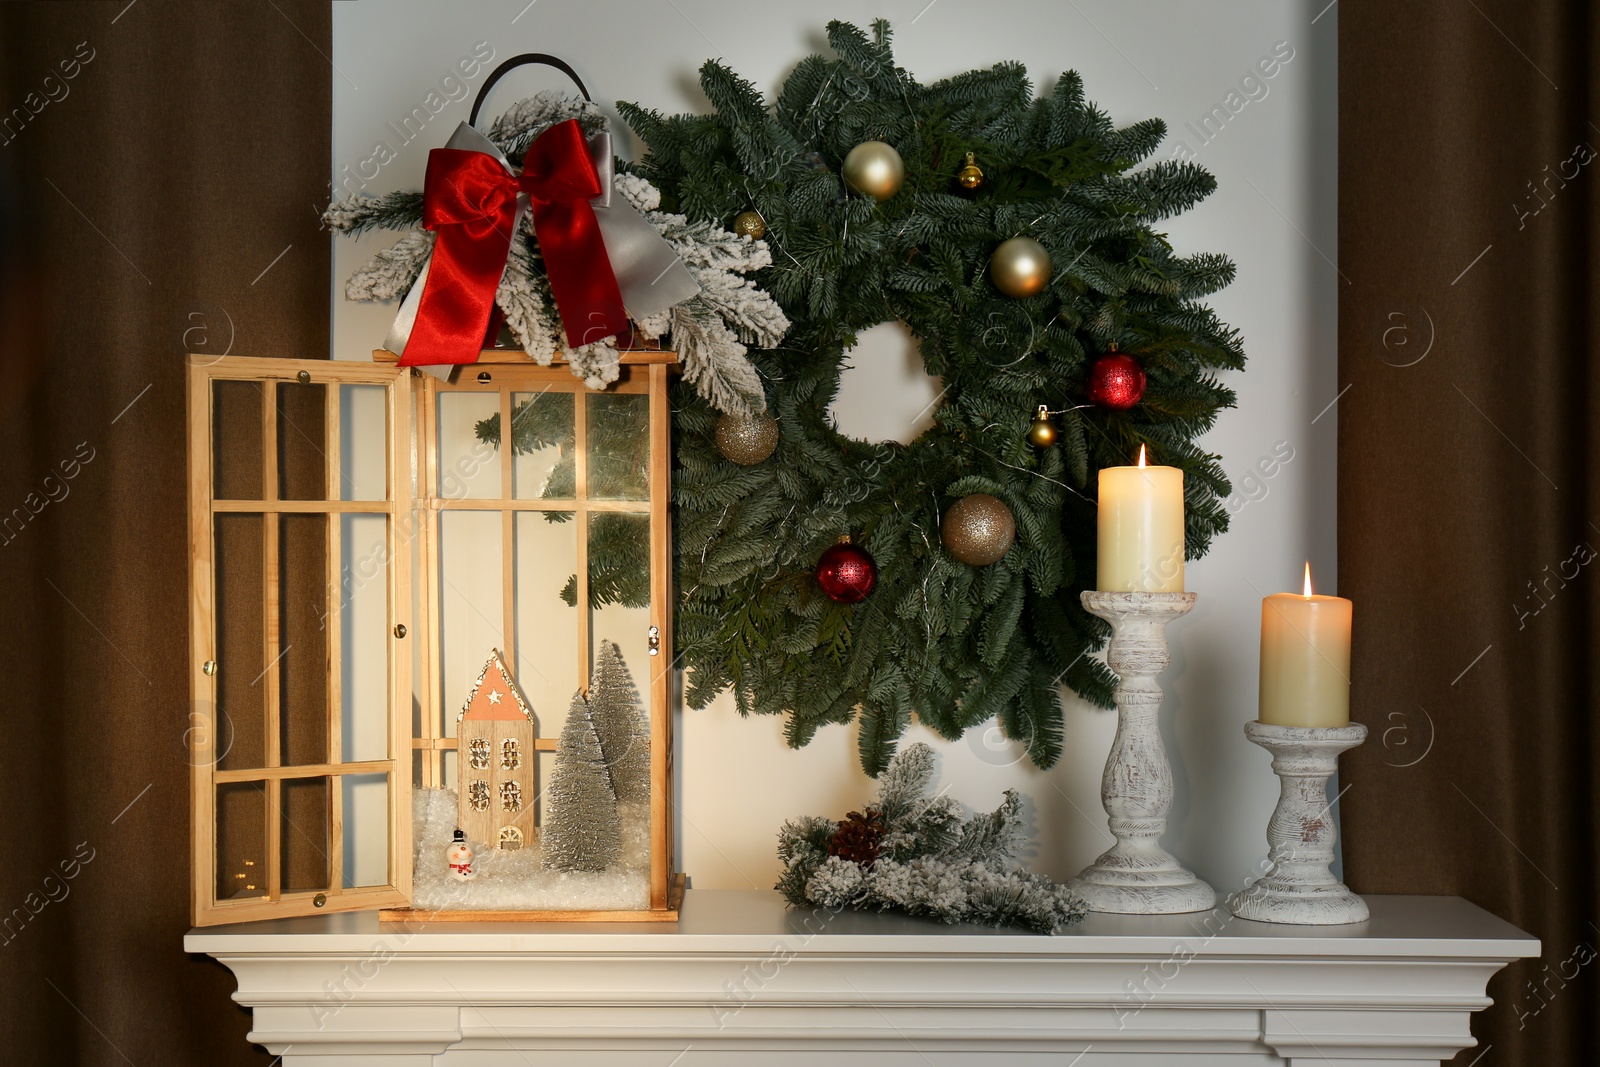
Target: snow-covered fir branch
x,y
927,858
362,212
523,296
516,129
390,274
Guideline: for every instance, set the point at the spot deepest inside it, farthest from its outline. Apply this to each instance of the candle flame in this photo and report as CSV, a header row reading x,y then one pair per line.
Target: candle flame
x,y
1308,579
1141,456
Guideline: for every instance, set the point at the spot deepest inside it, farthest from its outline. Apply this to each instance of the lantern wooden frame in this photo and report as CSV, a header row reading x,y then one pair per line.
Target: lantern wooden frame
x,y
413,507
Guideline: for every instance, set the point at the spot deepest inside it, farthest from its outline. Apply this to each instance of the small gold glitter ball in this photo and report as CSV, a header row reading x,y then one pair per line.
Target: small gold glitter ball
x,y
1020,267
971,175
750,224
747,439
1042,433
978,529
875,169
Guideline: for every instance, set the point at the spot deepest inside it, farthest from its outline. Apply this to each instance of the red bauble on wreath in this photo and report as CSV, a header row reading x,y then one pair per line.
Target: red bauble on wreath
x,y
847,573
1116,381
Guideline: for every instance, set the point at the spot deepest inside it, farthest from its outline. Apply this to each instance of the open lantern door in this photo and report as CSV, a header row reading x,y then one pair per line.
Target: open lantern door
x,y
362,539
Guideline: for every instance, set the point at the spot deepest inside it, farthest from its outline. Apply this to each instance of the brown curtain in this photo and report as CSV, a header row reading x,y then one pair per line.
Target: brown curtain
x,y
1469,481
161,168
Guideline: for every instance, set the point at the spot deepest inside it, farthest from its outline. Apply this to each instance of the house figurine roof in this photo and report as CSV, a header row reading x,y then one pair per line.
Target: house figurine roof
x,y
495,695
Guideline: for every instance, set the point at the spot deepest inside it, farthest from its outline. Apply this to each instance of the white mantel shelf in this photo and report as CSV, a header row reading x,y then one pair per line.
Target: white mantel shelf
x,y
742,981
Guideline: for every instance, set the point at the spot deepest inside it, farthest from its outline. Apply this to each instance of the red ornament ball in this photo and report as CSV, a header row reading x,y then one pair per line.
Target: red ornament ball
x,y
847,573
1116,381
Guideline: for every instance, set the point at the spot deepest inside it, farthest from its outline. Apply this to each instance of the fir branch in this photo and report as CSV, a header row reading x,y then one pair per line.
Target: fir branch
x,y
923,856
391,211
390,274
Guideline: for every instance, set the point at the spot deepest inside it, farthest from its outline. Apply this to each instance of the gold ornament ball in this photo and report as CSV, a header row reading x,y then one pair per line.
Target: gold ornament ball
x,y
747,439
978,529
1043,433
971,175
1020,267
750,224
875,169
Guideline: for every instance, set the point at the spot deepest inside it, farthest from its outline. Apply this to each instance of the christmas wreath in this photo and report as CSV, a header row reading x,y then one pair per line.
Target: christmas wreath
x,y
1018,242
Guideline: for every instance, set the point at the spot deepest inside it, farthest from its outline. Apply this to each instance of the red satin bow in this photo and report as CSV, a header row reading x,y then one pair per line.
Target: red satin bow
x,y
470,201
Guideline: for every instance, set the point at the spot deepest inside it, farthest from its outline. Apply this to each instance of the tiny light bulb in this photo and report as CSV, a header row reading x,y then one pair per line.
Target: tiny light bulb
x,y
1308,579
1141,456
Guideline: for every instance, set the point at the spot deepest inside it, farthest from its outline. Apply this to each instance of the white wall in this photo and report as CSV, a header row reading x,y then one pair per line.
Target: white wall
x,y
1273,212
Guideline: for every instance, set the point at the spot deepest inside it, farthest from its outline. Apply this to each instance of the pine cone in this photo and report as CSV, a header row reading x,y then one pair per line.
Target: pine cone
x,y
859,838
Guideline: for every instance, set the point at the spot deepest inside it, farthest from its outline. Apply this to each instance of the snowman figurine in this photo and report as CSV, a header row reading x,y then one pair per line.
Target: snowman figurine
x,y
459,857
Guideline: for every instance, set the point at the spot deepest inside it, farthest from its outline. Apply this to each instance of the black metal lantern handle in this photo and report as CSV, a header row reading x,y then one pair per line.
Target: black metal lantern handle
x,y
525,59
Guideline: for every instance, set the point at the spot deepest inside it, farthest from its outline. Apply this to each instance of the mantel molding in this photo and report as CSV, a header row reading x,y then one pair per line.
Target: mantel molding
x,y
742,974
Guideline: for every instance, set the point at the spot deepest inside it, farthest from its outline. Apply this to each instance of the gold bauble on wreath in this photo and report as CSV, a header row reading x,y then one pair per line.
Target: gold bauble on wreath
x,y
971,175
1020,267
750,224
747,439
874,169
1042,433
978,530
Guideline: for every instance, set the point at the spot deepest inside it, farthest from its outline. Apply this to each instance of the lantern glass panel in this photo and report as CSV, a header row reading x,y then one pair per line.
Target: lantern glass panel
x,y
364,634
543,459
364,855
236,457
238,551
619,591
302,667
547,663
242,869
618,446
468,429
305,816
471,604
302,447
363,442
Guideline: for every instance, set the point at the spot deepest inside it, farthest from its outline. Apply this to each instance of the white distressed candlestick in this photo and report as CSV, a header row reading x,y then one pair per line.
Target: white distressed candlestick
x,y
1300,887
1136,876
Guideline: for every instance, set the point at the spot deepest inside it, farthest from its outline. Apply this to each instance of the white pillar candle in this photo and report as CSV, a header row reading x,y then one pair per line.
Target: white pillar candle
x,y
1141,529
1305,659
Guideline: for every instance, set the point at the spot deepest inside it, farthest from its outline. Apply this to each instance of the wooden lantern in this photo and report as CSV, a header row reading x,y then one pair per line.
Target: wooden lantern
x,y
360,533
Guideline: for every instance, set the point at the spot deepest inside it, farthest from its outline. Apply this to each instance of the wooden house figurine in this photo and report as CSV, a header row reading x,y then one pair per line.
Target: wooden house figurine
x,y
495,761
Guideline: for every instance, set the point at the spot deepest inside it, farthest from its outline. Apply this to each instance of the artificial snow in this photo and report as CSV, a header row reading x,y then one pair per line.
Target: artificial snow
x,y
518,880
